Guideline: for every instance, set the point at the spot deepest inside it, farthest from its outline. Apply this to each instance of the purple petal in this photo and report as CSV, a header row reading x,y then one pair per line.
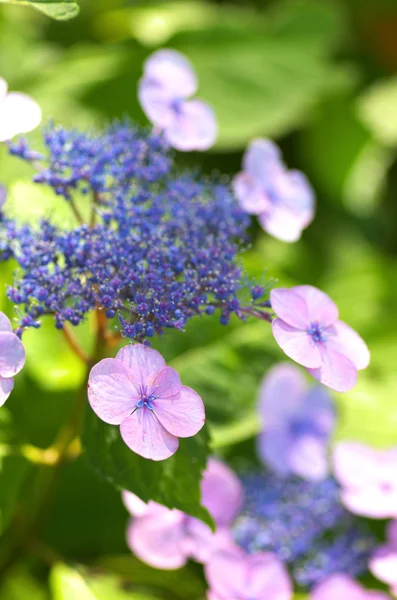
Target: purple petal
x,y
6,387
320,307
262,160
182,415
194,127
383,564
5,323
318,408
135,506
12,354
282,223
166,383
290,307
3,198
172,71
145,435
350,344
274,448
281,394
336,371
392,533
143,362
18,114
221,492
296,344
199,542
157,103
308,458
250,194
293,190
157,539
111,391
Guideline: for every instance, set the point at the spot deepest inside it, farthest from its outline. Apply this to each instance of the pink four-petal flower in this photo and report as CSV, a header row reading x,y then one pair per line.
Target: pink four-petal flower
x,y
166,539
137,391
19,113
383,562
342,587
12,357
164,91
308,330
368,478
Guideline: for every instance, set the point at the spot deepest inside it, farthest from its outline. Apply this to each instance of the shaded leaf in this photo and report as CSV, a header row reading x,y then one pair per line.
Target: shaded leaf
x,y
64,10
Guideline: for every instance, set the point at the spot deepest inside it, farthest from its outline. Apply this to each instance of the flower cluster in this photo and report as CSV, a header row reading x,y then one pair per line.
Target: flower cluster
x,y
161,247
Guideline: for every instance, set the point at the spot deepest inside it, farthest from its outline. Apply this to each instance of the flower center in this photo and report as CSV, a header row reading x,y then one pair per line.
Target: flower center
x,y
317,332
146,399
176,105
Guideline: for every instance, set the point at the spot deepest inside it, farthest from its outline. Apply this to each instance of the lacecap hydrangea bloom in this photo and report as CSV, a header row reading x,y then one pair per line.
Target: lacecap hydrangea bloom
x,y
383,562
297,424
309,331
342,587
283,200
165,92
137,391
12,357
19,113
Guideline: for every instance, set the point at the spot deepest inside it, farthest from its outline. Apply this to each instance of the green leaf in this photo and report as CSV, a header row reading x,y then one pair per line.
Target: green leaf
x,y
174,482
20,585
377,108
67,9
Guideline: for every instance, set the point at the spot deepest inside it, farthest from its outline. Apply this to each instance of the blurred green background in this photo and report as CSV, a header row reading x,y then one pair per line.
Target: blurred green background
x,y
317,76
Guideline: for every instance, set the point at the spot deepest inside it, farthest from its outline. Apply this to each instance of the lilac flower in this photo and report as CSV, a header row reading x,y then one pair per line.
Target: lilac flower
x,y
12,357
298,423
137,391
167,82
166,539
342,587
18,113
282,199
383,563
238,576
308,331
368,478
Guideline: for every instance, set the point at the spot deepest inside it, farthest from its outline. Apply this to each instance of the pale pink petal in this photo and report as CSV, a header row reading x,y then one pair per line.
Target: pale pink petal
x,y
143,362
18,114
3,198
308,458
157,539
194,127
281,394
293,191
3,89
262,160
336,371
290,307
157,103
274,448
342,587
199,541
221,492
182,415
111,391
296,344
350,344
250,194
166,383
135,506
267,578
6,387
282,223
320,307
226,574
373,502
12,354
383,564
145,435
172,71
5,323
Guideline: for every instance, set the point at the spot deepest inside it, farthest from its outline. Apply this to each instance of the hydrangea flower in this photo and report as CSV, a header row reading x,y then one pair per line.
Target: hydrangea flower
x,y
298,423
282,199
238,576
166,539
308,330
383,563
368,478
3,196
137,391
19,113
12,357
167,83
342,587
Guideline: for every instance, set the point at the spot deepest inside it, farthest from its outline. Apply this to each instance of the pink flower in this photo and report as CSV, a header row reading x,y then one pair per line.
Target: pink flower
x,y
342,587
18,113
167,83
12,357
239,576
308,331
298,423
166,539
137,391
282,199
368,478
383,563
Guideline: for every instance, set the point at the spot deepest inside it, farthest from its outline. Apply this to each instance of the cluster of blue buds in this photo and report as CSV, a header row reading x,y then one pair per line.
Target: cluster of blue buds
x,y
305,524
159,247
